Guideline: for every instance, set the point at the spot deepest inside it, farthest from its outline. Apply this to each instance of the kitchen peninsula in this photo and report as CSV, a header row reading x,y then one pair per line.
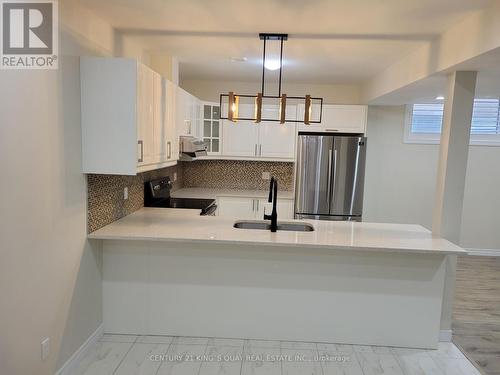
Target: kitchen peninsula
x,y
173,272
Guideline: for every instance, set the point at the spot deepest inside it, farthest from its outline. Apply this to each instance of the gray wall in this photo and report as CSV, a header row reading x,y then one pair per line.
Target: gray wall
x,y
401,178
50,274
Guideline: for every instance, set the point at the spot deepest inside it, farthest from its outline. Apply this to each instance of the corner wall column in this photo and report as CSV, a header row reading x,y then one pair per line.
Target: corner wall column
x,y
452,168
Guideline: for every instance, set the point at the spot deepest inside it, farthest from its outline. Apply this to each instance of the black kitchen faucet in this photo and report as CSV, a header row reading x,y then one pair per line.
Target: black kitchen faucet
x,y
273,197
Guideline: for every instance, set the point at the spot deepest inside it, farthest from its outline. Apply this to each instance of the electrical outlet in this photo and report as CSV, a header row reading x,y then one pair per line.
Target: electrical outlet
x,y
175,176
45,348
266,175
125,193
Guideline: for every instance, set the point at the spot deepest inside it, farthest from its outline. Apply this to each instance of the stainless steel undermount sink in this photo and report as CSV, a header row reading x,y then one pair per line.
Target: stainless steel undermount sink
x,y
265,225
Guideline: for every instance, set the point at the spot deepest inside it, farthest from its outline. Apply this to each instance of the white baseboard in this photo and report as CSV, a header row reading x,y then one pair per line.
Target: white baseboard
x,y
445,335
484,252
69,367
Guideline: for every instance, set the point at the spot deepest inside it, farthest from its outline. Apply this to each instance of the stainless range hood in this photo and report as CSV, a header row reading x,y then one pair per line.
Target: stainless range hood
x,y
191,148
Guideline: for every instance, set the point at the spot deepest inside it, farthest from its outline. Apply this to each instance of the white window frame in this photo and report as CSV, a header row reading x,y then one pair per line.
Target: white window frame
x,y
435,138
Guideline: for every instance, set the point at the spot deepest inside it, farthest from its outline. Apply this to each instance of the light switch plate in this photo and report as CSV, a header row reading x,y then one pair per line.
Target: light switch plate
x,y
125,193
175,176
266,175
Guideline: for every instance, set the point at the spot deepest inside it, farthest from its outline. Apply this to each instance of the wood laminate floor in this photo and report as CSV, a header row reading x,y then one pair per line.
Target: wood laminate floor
x,y
476,313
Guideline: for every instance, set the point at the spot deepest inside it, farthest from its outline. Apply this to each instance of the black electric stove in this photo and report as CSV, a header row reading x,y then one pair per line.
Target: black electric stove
x,y
157,194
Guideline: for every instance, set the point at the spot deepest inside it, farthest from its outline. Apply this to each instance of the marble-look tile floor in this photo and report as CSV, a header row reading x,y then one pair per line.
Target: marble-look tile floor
x,y
164,355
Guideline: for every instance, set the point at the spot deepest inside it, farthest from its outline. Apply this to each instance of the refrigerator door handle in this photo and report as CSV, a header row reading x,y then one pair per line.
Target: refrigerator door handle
x,y
329,176
334,170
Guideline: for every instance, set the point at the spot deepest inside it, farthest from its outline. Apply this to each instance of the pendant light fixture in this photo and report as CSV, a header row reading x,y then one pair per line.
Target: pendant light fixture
x,y
272,60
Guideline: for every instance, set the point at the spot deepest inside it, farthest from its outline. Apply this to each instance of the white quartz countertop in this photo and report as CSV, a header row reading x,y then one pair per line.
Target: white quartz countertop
x,y
170,224
205,193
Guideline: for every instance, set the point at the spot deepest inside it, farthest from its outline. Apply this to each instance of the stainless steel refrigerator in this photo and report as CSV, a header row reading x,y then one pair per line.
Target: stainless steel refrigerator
x,y
330,176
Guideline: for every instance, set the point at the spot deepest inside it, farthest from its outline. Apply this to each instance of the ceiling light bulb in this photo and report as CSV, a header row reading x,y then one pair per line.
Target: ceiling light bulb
x,y
440,97
272,64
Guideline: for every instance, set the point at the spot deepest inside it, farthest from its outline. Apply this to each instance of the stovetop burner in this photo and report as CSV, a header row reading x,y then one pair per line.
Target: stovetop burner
x,y
157,194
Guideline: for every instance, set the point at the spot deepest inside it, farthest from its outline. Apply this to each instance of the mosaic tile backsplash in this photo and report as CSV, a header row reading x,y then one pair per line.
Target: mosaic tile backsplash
x,y
236,174
105,192
105,195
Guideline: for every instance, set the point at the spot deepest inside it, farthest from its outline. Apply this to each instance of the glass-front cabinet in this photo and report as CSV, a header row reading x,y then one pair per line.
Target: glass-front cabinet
x,y
212,127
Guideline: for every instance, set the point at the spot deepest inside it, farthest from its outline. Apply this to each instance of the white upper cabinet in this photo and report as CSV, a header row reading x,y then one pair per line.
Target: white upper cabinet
x,y
277,140
266,140
127,117
166,137
147,115
336,118
240,138
211,127
182,112
188,113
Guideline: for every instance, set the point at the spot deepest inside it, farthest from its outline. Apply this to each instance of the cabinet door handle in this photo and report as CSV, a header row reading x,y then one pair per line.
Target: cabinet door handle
x,y
253,205
255,151
332,130
257,205
141,157
169,150
260,150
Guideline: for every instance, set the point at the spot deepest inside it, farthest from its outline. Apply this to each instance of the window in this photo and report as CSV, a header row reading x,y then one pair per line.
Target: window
x,y
424,122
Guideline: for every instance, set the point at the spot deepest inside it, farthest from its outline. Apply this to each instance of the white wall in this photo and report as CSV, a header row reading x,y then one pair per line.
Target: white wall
x,y
50,275
332,94
401,179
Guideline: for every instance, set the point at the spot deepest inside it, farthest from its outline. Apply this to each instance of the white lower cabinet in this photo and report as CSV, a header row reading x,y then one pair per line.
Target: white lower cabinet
x,y
252,208
284,207
236,207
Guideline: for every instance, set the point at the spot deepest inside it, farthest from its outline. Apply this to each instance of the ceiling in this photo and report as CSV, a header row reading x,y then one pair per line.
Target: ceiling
x,y
331,41
426,90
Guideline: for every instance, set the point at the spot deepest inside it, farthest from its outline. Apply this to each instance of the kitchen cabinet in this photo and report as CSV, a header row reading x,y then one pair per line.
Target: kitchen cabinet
x,y
240,139
276,140
167,139
336,118
126,113
252,208
147,115
236,207
188,113
211,127
266,140
284,207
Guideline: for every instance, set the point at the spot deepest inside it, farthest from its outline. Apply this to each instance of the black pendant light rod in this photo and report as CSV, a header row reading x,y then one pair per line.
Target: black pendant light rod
x,y
263,67
265,37
281,65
